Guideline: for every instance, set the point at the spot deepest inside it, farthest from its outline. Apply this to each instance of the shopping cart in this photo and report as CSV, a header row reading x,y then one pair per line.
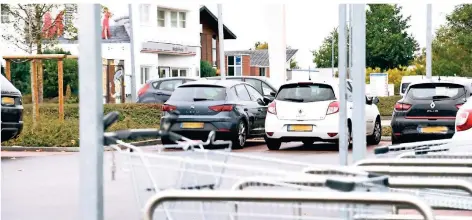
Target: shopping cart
x,y
441,149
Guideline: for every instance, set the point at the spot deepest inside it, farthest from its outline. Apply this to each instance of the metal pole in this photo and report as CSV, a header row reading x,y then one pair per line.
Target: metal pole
x,y
221,38
358,76
350,41
133,62
429,38
91,113
342,54
332,56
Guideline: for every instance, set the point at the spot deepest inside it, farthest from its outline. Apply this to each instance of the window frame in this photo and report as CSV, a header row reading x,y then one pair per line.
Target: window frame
x,y
248,80
260,72
143,75
257,93
159,12
213,51
268,87
245,89
178,19
179,72
234,66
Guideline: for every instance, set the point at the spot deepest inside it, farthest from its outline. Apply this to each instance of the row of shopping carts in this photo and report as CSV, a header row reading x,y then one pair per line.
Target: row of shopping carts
x,y
427,180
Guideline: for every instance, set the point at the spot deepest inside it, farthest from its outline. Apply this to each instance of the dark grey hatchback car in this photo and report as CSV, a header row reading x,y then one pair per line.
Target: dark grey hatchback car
x,y
233,109
159,90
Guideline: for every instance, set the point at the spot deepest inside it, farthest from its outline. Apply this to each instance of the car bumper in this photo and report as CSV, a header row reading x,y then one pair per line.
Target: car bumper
x,y
12,122
326,129
410,128
223,126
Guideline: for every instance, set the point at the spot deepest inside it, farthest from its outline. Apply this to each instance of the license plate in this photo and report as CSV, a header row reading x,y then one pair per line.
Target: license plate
x,y
192,125
304,128
8,101
433,130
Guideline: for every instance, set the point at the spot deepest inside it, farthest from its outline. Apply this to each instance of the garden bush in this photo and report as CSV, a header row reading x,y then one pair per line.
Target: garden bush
x,y
50,132
386,105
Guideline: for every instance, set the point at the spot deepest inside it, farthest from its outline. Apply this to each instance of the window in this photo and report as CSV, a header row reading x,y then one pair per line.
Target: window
x,y
5,16
178,19
144,13
440,91
179,72
306,93
242,93
256,84
255,95
170,85
266,90
161,18
199,93
262,71
234,66
404,86
213,54
145,76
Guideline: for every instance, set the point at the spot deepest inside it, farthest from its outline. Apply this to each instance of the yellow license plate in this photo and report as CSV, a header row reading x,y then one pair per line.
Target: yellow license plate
x,y
300,128
192,125
433,130
8,101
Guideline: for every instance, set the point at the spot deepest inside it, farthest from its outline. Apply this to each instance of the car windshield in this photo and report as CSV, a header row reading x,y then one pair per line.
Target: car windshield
x,y
436,91
306,93
199,93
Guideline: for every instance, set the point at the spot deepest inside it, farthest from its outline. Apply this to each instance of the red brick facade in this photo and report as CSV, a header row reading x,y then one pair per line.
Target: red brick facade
x,y
206,38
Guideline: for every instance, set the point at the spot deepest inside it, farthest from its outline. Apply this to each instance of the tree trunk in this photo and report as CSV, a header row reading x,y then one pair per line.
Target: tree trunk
x,y
39,45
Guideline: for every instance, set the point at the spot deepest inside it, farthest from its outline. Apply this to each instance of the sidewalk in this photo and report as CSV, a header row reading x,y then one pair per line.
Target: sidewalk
x,y
16,154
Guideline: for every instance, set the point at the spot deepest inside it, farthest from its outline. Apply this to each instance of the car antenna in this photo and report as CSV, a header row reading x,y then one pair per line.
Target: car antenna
x,y
309,73
439,78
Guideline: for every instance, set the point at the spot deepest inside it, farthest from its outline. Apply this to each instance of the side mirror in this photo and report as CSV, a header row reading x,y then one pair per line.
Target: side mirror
x,y
272,94
268,100
375,100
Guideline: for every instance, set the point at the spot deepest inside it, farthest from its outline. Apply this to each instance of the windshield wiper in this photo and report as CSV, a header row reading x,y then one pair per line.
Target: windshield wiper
x,y
439,97
201,99
293,99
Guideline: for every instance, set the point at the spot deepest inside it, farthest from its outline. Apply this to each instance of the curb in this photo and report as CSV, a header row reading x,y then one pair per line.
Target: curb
x,y
76,149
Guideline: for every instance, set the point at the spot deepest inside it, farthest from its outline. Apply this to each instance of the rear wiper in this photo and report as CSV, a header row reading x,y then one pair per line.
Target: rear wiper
x,y
293,99
201,99
438,97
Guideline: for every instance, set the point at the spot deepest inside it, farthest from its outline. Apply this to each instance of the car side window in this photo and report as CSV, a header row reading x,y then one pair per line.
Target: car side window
x,y
170,85
266,90
254,93
242,93
231,96
257,84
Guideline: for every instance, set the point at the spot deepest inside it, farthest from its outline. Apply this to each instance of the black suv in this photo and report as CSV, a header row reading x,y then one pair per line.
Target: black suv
x,y
428,111
12,110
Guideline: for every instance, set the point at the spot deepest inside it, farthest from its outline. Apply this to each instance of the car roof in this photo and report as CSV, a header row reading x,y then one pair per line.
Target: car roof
x,y
327,80
170,78
464,81
223,83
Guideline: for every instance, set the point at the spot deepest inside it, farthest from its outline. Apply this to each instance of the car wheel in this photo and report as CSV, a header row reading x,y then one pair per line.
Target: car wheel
x,y
349,137
375,138
240,138
272,144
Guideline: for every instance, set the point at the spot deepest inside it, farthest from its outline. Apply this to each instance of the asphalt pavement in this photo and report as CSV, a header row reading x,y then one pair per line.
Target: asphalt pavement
x,y
45,185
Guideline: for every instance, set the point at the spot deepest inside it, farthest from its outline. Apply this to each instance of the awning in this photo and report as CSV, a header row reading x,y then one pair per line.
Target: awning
x,y
168,48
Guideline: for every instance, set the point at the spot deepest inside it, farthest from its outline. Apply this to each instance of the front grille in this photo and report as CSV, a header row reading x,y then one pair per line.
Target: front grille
x,y
11,116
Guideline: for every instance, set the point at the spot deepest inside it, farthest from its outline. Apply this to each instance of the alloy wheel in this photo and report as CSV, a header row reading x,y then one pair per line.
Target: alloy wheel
x,y
242,134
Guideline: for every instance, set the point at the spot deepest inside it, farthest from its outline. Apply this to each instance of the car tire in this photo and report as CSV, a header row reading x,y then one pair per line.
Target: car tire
x,y
375,138
349,140
240,137
272,144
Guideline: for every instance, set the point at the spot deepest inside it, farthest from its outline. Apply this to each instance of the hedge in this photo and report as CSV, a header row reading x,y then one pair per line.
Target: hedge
x,y
386,105
49,132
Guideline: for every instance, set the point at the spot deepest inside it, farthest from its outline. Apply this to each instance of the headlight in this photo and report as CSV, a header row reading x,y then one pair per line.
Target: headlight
x,y
8,101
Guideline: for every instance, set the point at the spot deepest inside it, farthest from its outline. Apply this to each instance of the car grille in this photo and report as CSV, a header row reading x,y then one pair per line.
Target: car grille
x,y
12,116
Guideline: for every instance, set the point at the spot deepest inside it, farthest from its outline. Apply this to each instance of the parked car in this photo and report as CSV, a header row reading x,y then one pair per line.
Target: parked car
x,y
307,111
159,90
428,110
261,83
234,109
463,123
12,110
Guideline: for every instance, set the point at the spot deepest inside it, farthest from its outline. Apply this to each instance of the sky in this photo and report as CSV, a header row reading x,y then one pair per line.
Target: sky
x,y
306,24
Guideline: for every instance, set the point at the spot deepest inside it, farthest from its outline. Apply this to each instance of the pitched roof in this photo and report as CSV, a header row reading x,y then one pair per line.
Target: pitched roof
x,y
208,16
259,57
118,35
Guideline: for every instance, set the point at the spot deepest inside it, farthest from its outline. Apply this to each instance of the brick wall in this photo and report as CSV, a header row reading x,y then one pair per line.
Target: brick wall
x,y
267,72
246,65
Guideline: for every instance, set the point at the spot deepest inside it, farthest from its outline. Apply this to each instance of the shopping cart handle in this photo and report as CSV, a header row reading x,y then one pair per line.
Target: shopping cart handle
x,y
381,150
110,119
132,134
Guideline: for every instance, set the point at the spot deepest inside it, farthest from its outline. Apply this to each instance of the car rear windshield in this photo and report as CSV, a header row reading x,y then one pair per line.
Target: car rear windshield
x,y
306,93
436,91
404,86
199,93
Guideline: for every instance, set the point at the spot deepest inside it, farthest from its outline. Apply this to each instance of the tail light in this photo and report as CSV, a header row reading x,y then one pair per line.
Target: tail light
x,y
168,108
402,106
221,108
272,109
464,120
458,106
333,108
143,89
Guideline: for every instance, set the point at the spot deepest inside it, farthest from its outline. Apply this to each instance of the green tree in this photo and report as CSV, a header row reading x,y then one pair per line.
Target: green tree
x,y
71,76
206,70
261,45
388,44
19,71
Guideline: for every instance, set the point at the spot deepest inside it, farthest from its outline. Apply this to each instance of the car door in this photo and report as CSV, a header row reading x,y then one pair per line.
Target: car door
x,y
261,109
248,106
370,116
166,87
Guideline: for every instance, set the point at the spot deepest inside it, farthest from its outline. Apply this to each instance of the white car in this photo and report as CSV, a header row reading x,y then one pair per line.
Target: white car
x,y
308,111
463,131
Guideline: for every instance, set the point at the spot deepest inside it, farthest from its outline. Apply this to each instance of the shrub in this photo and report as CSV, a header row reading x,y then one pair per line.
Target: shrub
x,y
206,70
386,105
50,132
